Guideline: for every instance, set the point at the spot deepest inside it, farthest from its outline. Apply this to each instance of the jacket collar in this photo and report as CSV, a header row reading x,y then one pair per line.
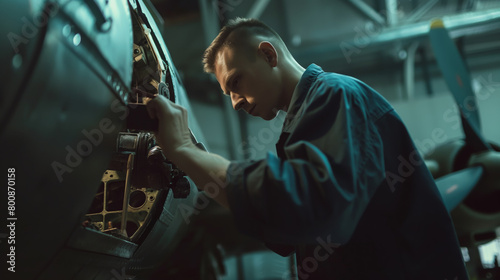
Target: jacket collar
x,y
295,108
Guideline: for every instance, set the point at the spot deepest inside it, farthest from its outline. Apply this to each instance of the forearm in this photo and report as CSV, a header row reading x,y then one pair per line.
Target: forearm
x,y
208,171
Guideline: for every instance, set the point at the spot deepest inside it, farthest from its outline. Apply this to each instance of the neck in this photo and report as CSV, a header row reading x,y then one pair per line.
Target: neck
x,y
293,73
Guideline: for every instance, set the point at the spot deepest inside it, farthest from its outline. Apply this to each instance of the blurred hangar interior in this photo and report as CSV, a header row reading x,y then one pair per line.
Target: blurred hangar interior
x,y
94,198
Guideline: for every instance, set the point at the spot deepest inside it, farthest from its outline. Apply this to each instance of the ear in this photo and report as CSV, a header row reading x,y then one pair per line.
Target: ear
x,y
267,50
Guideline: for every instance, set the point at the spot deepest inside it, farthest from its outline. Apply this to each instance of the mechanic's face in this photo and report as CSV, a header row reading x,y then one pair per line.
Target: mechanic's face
x,y
252,80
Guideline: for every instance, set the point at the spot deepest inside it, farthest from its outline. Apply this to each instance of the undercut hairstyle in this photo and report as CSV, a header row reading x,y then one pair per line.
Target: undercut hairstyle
x,y
245,27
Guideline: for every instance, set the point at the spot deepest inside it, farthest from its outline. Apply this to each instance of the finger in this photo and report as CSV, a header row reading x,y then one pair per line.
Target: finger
x,y
143,93
185,114
159,105
152,107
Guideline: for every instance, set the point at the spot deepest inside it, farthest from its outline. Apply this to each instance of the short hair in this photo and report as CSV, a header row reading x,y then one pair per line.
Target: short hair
x,y
253,26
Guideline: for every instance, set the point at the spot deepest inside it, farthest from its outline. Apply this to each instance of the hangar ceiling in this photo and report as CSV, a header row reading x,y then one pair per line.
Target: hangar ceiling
x,y
355,37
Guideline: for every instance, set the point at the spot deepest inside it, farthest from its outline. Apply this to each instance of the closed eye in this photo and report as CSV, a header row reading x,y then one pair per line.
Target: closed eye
x,y
235,83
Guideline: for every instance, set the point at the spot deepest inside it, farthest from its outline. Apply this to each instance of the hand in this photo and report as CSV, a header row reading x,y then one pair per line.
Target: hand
x,y
173,132
174,137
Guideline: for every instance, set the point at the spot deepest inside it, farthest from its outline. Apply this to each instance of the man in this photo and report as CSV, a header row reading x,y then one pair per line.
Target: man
x,y
348,192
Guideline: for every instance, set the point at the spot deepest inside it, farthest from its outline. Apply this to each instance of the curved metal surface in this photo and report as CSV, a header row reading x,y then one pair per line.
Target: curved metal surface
x,y
170,219
456,186
60,132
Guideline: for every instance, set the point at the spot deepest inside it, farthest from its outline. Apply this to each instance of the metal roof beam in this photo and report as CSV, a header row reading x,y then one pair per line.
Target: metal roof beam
x,y
257,9
368,11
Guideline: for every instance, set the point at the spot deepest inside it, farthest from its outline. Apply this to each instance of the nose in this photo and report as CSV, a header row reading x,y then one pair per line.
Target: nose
x,y
237,100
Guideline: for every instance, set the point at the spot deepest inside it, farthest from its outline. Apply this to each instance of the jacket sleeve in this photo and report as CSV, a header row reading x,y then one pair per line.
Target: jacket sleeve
x,y
333,164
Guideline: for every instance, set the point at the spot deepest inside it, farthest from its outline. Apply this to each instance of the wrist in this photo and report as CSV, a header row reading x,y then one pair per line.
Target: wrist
x,y
181,153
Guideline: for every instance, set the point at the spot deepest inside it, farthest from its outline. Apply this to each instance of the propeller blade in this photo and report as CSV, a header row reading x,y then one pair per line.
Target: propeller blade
x,y
456,186
458,80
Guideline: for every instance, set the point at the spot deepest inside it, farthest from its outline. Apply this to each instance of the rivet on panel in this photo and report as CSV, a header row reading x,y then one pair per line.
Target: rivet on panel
x,y
17,61
66,31
77,39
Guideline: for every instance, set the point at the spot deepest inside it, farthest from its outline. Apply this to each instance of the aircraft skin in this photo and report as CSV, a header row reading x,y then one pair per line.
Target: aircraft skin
x,y
67,70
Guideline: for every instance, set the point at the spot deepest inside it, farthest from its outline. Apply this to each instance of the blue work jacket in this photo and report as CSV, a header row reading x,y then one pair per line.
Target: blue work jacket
x,y
348,192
